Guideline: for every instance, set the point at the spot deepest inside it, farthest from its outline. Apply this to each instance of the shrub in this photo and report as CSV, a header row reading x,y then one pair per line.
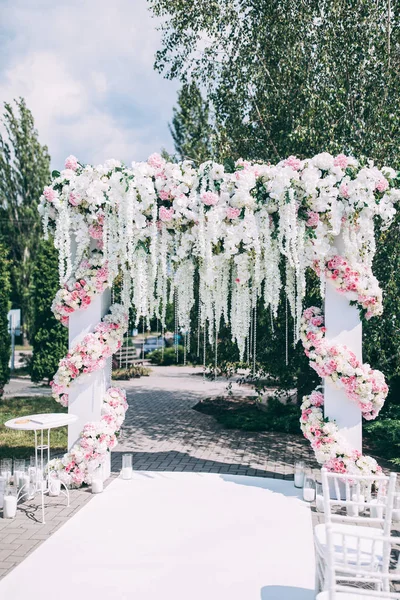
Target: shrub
x,y
5,341
249,415
157,357
50,338
132,372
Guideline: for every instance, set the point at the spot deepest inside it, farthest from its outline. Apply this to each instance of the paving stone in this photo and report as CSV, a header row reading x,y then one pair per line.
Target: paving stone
x,y
164,434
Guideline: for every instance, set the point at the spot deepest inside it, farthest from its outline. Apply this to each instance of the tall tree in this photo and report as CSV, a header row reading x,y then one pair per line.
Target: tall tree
x,y
298,77
288,77
24,172
5,342
49,337
190,128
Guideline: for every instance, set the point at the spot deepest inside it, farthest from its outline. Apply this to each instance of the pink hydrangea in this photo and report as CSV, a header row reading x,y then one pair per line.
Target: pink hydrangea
x,y
344,190
209,198
71,162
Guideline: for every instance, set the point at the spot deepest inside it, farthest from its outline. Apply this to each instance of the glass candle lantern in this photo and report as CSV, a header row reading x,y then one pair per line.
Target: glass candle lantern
x,y
126,472
10,502
319,497
6,469
309,489
19,470
298,473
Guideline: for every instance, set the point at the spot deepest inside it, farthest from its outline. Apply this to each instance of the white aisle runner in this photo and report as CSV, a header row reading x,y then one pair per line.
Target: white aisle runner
x,y
177,536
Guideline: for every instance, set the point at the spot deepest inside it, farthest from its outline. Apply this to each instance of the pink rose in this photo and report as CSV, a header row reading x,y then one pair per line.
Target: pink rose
x,y
232,213
344,190
166,214
74,199
341,161
49,194
156,160
313,219
293,162
209,198
71,162
382,185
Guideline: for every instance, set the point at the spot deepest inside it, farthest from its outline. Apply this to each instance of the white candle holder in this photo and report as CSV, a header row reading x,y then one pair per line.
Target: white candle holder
x,y
299,473
126,471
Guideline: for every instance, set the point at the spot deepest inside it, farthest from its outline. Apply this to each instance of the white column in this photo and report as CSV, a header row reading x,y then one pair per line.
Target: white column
x,y
87,392
343,326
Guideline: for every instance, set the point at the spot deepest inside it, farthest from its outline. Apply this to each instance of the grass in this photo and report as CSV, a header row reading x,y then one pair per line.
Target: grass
x,y
246,414
20,444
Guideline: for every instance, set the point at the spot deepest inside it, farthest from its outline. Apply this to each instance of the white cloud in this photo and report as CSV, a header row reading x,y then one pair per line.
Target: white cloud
x,y
86,72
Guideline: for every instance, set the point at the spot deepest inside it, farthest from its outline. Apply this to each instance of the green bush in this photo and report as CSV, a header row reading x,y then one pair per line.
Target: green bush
x,y
166,358
5,341
50,338
249,415
132,372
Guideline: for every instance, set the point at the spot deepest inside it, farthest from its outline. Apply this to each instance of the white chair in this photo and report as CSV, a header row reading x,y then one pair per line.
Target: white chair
x,y
354,569
353,493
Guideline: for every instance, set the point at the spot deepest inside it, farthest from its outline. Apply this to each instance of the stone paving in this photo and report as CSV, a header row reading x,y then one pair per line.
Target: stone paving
x,y
164,434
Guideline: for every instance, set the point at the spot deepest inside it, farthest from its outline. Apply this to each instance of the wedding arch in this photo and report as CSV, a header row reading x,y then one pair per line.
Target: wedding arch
x,y
159,225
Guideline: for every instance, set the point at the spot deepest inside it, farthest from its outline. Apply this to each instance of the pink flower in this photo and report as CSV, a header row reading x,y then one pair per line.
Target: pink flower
x,y
313,219
209,198
164,195
382,185
49,194
165,214
293,162
232,213
344,190
156,160
341,161
71,162
74,199
96,232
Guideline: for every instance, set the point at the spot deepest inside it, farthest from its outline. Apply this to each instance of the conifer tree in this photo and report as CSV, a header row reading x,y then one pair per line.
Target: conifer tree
x,y
5,342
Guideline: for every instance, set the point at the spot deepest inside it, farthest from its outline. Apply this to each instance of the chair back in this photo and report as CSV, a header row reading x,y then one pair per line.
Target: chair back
x,y
367,550
362,499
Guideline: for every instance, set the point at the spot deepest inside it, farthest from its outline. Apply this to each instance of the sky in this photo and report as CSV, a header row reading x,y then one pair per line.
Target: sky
x,y
85,69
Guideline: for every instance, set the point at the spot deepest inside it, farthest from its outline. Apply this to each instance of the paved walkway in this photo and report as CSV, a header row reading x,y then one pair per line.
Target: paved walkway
x,y
163,433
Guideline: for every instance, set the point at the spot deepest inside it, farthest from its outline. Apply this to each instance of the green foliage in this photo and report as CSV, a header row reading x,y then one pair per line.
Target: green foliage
x,y
157,357
49,337
132,372
5,342
24,171
248,415
190,127
19,444
290,77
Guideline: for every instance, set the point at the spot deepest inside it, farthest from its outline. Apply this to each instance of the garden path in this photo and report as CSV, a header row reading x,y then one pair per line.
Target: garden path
x,y
164,434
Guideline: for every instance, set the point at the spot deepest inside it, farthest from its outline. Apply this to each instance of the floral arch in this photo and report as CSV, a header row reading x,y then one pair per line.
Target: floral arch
x,y
160,224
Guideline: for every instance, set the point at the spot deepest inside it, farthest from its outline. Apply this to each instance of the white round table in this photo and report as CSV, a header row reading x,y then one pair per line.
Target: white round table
x,y
38,424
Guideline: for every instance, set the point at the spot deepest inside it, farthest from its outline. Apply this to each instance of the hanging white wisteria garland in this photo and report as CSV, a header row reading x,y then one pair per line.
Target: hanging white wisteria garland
x,y
238,230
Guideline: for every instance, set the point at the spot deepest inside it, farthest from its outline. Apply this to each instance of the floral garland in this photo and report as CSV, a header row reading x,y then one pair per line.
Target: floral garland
x,y
341,367
331,448
163,224
91,353
97,439
358,284
363,385
91,278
